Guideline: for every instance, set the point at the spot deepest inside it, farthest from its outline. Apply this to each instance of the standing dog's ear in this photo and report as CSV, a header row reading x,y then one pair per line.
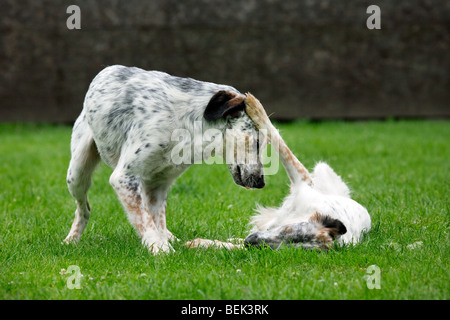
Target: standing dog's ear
x,y
222,104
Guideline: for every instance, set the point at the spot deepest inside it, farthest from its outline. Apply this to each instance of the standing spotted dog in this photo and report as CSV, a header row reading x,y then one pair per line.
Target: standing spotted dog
x,y
128,118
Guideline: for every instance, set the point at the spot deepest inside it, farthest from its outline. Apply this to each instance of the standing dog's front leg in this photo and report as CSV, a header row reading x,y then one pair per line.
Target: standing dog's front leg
x,y
138,207
155,204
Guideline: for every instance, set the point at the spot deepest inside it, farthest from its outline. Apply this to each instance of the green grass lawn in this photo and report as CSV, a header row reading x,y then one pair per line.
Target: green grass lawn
x,y
400,171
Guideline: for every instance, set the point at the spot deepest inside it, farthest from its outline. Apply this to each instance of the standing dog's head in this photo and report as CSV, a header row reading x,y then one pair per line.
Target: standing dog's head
x,y
241,136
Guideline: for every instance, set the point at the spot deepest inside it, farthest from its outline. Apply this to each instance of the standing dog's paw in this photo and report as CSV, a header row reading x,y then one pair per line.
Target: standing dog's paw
x,y
158,247
70,240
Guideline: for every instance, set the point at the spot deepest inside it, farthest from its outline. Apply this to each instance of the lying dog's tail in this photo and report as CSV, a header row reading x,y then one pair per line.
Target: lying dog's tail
x,y
327,181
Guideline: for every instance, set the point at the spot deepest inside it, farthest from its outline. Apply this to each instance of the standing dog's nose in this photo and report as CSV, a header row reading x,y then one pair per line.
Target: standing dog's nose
x,y
260,182
255,182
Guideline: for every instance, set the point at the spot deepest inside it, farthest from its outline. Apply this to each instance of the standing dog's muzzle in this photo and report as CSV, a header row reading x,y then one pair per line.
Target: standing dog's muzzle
x,y
250,176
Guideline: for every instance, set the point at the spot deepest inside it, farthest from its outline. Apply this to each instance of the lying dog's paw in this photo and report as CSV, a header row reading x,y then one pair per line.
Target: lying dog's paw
x,y
206,243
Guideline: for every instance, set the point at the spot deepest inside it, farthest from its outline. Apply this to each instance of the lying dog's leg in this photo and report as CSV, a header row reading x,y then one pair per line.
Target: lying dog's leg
x,y
138,204
206,243
84,159
295,170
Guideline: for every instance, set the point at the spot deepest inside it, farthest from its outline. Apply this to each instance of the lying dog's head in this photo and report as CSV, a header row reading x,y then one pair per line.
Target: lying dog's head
x,y
241,136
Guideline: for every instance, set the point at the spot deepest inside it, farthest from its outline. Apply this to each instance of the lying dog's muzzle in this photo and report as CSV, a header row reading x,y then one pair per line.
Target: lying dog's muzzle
x,y
252,240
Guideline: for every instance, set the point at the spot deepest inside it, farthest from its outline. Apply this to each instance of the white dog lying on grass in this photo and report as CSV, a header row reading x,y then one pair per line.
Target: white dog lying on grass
x,y
317,213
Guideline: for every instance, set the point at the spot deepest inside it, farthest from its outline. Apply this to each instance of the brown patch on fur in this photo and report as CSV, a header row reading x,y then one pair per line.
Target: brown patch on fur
x,y
333,232
193,243
329,228
323,236
157,219
236,101
316,217
81,215
150,223
133,204
255,111
162,223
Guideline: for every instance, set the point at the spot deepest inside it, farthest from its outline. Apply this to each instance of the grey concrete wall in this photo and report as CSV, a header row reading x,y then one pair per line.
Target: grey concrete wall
x,y
313,59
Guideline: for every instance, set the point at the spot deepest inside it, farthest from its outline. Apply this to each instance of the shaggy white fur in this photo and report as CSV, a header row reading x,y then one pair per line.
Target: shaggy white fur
x,y
322,194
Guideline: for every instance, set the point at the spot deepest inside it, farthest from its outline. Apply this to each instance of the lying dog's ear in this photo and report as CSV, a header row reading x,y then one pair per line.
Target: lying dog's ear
x,y
334,227
222,104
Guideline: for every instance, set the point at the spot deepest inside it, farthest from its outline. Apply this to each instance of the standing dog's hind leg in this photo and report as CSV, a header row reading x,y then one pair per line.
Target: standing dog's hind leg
x,y
84,159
